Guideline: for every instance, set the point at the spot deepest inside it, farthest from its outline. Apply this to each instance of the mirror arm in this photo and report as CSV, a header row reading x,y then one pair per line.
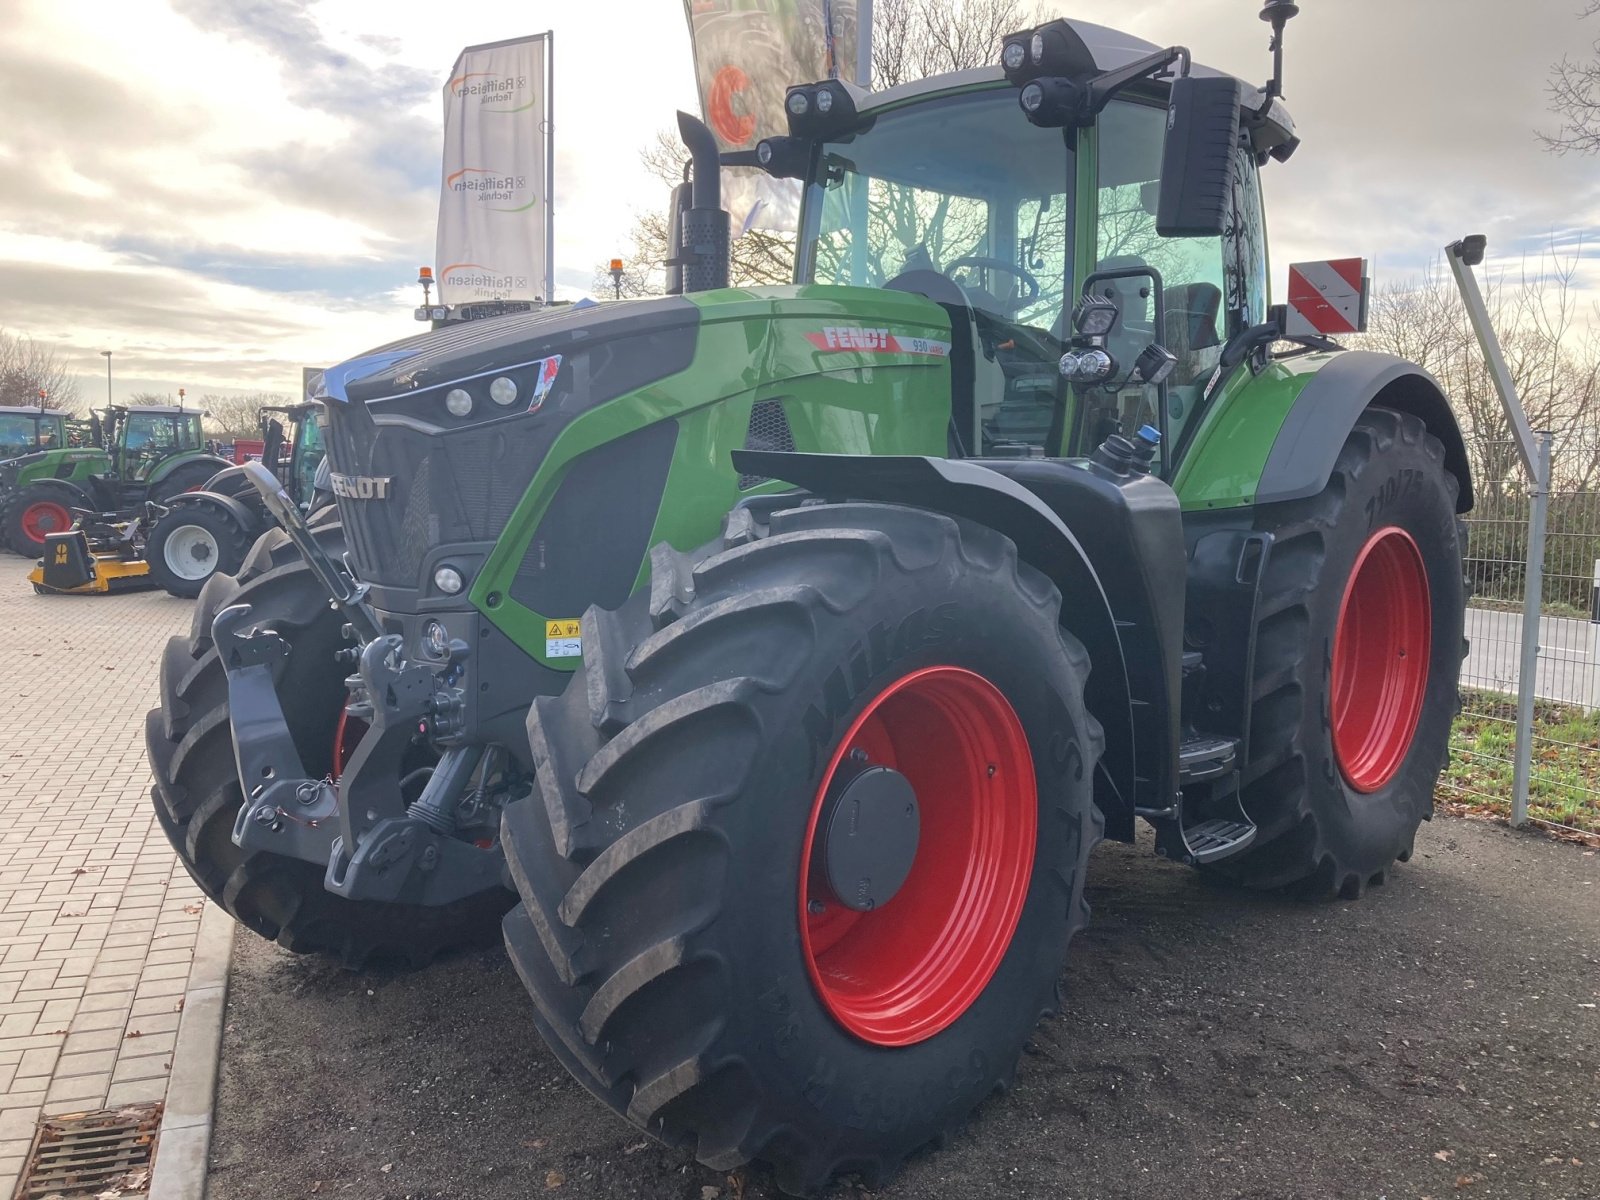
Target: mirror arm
x,y
1104,87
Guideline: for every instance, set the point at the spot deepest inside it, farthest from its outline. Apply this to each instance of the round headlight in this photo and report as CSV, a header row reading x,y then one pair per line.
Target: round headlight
x,y
1036,48
1032,97
798,103
764,153
448,580
1069,365
436,640
1013,55
503,391
1093,365
824,101
458,401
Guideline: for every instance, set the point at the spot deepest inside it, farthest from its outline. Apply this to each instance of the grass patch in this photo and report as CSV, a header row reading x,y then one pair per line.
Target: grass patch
x,y
1565,785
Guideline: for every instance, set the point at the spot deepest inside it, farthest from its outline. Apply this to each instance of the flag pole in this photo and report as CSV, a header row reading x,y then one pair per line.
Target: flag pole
x,y
550,168
864,43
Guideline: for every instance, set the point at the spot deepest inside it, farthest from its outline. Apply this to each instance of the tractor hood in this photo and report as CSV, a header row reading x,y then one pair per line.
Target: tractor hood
x,y
435,442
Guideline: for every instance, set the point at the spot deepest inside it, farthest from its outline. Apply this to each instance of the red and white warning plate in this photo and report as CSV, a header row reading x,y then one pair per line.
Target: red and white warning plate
x,y
1327,298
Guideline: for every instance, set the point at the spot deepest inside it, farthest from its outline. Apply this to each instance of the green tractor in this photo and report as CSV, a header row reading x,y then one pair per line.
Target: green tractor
x,y
202,532
772,659
137,453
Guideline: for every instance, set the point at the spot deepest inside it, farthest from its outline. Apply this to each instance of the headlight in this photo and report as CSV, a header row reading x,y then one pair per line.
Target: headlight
x,y
824,102
458,401
448,580
798,103
1036,48
1013,56
503,391
1032,97
1095,316
1069,365
1093,366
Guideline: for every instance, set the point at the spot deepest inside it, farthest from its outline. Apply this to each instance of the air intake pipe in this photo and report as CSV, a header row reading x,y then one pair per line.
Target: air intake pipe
x,y
702,228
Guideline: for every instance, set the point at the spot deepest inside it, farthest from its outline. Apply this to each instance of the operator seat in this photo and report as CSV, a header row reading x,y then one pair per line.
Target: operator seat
x,y
1191,334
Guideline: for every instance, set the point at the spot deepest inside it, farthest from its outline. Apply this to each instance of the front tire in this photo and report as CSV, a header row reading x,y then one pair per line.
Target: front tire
x,y
191,544
197,794
1358,651
688,957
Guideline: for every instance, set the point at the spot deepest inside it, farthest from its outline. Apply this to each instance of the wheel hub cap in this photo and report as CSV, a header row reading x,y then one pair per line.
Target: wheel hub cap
x,y
872,824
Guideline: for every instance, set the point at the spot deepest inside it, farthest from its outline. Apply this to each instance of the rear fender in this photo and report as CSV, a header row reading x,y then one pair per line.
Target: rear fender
x,y
1313,432
168,465
962,489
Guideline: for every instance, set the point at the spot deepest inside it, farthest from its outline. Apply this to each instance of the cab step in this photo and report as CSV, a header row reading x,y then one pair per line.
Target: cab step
x,y
1212,840
1202,758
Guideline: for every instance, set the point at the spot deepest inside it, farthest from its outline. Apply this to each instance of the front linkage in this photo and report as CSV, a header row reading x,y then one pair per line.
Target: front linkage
x,y
375,845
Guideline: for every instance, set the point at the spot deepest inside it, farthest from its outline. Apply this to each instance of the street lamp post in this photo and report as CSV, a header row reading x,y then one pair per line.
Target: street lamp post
x,y
107,356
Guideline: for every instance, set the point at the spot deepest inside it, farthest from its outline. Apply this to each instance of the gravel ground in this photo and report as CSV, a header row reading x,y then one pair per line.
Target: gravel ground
x,y
1438,1038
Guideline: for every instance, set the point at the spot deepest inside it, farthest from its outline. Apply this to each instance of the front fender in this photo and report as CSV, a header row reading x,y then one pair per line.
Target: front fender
x,y
1274,436
963,489
248,518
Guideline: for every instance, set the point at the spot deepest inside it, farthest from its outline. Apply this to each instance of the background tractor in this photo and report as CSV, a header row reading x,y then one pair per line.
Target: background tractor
x,y
787,650
137,453
210,530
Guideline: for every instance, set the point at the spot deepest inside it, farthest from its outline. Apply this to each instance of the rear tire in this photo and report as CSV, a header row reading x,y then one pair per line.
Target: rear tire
x,y
197,794
30,508
662,857
191,544
1333,819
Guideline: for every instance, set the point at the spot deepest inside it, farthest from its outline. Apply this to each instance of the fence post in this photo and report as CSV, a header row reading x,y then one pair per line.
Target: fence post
x,y
1532,602
1594,641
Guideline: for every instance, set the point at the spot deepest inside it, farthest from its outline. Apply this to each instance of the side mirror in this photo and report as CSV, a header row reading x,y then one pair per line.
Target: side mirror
x,y
1197,157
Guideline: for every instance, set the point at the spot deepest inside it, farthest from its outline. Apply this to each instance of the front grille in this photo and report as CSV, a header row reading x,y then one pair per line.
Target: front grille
x,y
446,488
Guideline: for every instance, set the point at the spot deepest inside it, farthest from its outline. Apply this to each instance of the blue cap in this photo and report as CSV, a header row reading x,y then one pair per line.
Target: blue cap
x,y
1150,434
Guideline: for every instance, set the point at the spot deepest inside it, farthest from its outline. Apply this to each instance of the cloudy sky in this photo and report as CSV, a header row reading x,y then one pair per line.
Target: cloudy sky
x,y
221,191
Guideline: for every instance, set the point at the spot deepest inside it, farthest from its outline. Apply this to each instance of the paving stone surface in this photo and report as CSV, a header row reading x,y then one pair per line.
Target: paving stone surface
x,y
97,918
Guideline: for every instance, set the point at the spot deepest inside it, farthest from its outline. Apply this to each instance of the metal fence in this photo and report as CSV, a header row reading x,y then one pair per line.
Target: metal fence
x,y
1551,775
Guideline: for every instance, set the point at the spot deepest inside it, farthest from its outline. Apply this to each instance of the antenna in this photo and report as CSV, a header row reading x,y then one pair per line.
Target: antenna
x,y
1277,13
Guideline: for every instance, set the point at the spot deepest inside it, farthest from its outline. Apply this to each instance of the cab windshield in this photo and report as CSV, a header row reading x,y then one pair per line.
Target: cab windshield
x,y
16,435
961,186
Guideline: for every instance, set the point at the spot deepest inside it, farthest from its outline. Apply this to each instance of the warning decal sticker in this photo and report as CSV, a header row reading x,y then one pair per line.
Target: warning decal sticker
x,y
563,639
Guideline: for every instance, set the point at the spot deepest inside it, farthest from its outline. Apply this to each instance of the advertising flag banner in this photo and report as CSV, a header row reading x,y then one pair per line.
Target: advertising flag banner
x,y
746,54
495,195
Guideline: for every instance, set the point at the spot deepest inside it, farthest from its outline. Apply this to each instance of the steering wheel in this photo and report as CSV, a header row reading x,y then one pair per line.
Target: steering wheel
x,y
1030,285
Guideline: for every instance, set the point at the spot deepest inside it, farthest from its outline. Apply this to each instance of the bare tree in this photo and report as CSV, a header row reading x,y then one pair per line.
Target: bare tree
x,y
238,415
1574,91
33,373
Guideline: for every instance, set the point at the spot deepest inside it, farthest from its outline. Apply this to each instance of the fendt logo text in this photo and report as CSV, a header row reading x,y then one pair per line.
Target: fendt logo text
x,y
361,487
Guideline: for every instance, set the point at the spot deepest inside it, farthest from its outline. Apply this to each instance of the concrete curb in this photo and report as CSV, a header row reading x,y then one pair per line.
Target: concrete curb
x,y
180,1172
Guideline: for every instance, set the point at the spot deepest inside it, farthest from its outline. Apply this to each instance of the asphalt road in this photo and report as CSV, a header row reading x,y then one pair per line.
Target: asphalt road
x,y
1437,1038
1567,665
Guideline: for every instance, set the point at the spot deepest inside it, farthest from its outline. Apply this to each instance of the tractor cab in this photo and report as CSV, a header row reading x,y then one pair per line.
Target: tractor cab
x,y
292,447
26,430
142,437
1009,215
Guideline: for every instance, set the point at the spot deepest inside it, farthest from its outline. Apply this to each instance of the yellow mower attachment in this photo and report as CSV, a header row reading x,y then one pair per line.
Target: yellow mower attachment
x,y
68,568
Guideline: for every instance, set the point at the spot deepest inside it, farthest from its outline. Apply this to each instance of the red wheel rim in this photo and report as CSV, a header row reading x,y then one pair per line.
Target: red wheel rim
x,y
901,973
1380,659
45,516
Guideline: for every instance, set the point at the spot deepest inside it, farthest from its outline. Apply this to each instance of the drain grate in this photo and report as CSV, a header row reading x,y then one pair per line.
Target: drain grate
x,y
94,1154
